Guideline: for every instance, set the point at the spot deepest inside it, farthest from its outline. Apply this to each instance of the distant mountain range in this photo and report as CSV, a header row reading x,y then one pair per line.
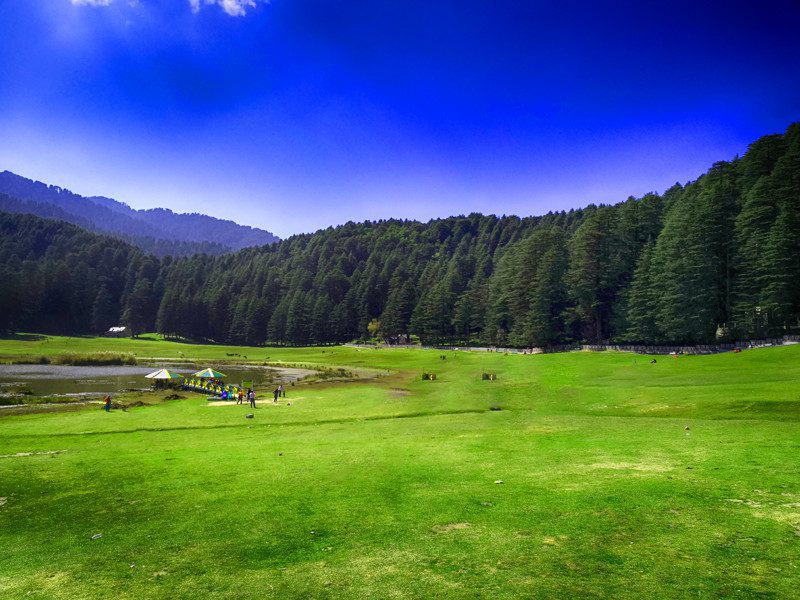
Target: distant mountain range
x,y
158,230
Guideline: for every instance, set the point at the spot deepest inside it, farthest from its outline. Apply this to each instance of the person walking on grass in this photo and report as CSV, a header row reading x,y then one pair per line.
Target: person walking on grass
x,y
107,403
240,400
251,395
281,391
275,393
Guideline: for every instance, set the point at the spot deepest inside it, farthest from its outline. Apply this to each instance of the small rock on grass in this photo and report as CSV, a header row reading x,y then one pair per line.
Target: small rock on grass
x,y
97,536
499,482
249,416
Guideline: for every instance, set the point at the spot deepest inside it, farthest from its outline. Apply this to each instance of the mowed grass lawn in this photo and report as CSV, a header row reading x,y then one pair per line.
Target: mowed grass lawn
x,y
390,487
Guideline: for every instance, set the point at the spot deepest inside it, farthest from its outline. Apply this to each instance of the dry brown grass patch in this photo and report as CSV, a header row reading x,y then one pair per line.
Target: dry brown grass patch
x,y
450,527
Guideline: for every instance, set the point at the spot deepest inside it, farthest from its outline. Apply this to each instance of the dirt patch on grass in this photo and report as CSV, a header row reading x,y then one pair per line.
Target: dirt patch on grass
x,y
629,466
263,403
399,393
550,541
24,454
126,405
44,584
786,513
367,576
546,429
747,502
654,407
784,507
450,527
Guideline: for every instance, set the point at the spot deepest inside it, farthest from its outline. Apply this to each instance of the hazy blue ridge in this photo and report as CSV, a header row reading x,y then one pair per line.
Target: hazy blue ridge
x,y
159,231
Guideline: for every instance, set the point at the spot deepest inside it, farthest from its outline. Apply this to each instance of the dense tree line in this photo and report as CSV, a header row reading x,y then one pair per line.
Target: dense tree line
x,y
59,278
714,259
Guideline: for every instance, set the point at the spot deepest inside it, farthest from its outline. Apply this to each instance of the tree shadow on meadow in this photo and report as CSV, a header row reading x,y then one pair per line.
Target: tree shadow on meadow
x,y
23,337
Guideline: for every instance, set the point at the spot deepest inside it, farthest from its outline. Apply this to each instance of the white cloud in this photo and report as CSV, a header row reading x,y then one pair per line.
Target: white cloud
x,y
235,8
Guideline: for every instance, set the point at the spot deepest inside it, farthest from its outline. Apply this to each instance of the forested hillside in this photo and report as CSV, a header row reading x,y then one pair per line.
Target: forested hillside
x,y
715,259
59,278
158,231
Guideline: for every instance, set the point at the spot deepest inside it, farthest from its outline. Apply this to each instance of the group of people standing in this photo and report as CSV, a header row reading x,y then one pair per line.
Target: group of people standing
x,y
277,393
250,394
251,397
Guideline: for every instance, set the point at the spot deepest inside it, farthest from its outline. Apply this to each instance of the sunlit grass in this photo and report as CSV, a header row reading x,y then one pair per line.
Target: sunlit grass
x,y
388,487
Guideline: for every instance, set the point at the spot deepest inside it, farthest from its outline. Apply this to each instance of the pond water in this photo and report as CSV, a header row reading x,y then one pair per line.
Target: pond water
x,y
50,380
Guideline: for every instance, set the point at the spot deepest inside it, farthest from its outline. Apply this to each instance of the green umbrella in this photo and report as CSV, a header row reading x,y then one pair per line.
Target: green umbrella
x,y
209,374
163,374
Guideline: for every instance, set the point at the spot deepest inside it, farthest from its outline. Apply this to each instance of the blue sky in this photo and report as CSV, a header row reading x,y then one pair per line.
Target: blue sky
x,y
298,114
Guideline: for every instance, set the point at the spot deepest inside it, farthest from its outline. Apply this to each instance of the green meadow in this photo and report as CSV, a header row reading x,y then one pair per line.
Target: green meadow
x,y
576,475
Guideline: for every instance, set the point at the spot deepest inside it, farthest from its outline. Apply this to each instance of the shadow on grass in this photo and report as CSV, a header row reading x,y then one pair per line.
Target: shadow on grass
x,y
186,341
23,337
783,409
258,425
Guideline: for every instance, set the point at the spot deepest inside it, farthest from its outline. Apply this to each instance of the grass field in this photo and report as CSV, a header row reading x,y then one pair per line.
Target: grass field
x,y
391,487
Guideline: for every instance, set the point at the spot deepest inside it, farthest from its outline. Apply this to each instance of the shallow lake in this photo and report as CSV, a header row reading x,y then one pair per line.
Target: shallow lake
x,y
49,380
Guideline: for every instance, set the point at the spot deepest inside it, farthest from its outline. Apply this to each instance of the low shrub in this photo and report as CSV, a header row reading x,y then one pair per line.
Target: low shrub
x,y
94,358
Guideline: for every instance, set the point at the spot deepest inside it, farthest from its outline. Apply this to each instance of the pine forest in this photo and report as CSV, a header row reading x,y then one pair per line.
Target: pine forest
x,y
715,259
